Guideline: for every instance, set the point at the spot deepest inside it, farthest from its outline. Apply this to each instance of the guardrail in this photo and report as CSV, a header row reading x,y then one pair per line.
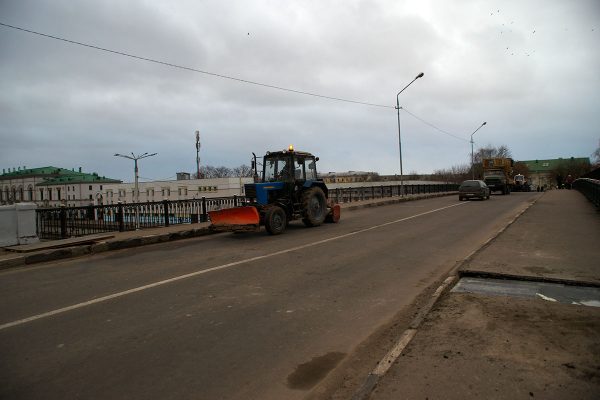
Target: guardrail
x,y
64,222
590,188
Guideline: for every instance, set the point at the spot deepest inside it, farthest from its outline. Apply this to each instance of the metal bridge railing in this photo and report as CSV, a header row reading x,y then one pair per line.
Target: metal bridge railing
x,y
590,188
64,222
348,195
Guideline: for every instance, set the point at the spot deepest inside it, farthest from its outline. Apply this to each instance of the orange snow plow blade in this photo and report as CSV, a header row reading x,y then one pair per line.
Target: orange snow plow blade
x,y
238,219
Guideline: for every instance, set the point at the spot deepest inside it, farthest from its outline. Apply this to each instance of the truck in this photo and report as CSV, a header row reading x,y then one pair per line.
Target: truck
x,y
497,174
288,189
521,183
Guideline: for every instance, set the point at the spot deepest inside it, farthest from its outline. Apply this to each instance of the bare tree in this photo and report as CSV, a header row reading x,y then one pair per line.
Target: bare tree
x,y
207,172
596,158
223,172
210,172
243,171
456,173
573,167
521,168
489,151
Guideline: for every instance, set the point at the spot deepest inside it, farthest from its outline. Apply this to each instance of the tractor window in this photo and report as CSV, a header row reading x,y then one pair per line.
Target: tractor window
x,y
299,169
311,169
276,169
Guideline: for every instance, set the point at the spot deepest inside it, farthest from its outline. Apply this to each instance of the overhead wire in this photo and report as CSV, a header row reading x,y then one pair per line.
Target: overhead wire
x,y
168,64
433,126
194,69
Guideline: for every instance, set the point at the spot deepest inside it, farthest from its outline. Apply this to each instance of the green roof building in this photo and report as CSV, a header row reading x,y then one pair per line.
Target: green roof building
x,y
551,173
51,186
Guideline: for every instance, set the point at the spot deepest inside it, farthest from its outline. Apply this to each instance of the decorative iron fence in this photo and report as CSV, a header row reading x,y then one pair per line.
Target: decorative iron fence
x,y
590,188
64,222
348,195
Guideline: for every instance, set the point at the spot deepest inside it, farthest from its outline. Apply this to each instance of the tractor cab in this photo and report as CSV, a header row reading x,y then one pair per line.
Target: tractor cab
x,y
285,175
289,166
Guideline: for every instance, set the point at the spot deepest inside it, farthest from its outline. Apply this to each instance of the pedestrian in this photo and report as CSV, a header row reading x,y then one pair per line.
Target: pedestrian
x,y
569,181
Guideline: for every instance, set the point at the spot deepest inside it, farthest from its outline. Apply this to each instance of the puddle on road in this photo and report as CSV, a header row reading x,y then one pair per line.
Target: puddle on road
x,y
309,374
555,292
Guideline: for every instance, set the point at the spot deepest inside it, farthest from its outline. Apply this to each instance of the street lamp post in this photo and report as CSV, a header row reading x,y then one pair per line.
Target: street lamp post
x,y
136,189
399,138
472,164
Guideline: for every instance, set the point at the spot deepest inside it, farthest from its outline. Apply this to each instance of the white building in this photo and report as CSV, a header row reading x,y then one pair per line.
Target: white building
x,y
173,190
51,186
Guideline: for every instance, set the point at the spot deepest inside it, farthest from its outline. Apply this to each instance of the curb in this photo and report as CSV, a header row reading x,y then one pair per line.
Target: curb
x,y
453,276
76,251
120,244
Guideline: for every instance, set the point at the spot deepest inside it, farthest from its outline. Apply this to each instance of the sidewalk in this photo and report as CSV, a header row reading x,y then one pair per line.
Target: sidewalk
x,y
122,240
491,344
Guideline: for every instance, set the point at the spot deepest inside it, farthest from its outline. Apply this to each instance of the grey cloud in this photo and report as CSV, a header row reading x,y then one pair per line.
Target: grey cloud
x,y
68,106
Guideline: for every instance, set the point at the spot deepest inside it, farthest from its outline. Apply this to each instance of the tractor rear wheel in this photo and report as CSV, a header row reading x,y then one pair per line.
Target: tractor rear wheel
x,y
314,206
275,220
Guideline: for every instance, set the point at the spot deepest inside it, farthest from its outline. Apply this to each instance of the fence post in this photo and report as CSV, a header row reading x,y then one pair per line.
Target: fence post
x,y
120,218
166,211
63,222
204,217
193,212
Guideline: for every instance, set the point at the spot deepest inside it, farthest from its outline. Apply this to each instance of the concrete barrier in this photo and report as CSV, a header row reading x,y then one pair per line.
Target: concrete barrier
x,y
17,224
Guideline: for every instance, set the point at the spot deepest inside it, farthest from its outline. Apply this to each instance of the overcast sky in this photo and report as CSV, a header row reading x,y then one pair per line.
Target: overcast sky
x,y
530,69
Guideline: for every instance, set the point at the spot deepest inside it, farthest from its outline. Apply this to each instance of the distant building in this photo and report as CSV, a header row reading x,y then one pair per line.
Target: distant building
x,y
55,187
181,189
183,176
51,186
543,173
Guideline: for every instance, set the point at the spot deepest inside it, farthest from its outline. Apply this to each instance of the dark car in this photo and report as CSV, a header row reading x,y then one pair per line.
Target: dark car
x,y
472,189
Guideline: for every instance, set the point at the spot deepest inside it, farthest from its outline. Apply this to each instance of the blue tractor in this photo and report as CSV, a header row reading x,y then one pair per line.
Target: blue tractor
x,y
288,190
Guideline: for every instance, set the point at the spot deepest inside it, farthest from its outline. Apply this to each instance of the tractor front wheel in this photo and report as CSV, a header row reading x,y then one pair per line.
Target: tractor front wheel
x,y
275,220
314,206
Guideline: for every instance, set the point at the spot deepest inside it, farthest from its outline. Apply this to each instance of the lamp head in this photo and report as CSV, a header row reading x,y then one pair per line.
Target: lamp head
x,y
420,75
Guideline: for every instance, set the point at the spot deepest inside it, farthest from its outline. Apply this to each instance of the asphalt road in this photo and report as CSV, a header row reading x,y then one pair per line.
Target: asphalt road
x,y
230,316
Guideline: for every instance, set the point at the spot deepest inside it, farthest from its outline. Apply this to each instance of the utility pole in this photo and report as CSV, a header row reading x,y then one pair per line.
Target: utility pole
x,y
197,154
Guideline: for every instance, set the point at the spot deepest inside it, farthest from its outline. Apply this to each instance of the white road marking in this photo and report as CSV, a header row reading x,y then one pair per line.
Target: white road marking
x,y
591,303
389,359
545,297
205,271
